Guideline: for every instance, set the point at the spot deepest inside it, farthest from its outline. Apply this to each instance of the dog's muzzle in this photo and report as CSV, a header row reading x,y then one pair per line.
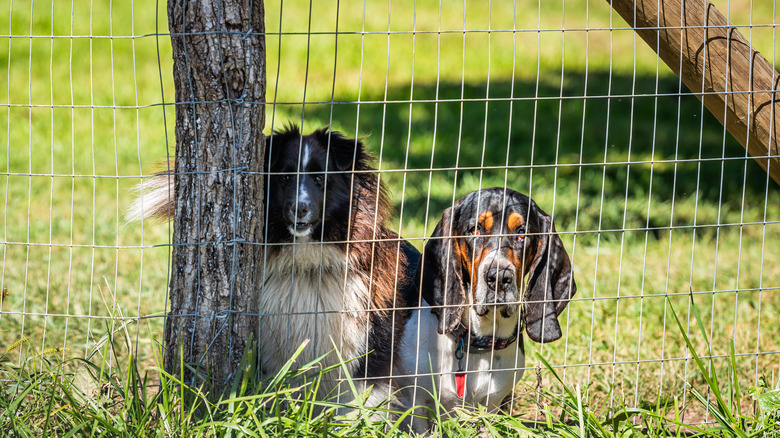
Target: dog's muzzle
x,y
497,287
302,216
500,278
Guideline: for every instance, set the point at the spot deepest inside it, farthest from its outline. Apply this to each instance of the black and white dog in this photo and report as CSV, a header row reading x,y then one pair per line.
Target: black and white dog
x,y
334,274
465,344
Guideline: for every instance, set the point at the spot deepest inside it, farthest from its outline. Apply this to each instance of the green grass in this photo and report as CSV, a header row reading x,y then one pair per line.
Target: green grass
x,y
106,395
644,221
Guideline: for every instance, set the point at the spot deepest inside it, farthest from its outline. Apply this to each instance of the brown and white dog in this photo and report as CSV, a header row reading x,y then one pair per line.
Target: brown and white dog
x,y
334,273
465,343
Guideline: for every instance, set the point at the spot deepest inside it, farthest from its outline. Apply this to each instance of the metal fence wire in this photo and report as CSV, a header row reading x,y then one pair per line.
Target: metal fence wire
x,y
657,205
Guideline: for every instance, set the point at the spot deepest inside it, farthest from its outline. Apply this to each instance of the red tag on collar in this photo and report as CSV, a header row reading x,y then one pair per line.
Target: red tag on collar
x,y
460,384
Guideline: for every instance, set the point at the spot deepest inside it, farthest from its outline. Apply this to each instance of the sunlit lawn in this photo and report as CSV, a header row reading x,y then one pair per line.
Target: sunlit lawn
x,y
572,118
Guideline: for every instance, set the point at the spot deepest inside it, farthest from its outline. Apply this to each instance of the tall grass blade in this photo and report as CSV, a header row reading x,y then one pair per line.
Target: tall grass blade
x,y
722,412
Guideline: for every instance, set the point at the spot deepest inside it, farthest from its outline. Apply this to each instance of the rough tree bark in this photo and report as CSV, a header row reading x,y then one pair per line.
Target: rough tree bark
x,y
719,65
219,75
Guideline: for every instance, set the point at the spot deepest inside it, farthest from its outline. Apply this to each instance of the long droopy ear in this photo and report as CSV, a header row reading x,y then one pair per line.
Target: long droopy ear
x,y
550,282
442,281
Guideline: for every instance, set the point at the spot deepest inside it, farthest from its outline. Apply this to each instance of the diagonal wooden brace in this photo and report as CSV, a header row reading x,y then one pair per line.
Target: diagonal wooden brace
x,y
718,65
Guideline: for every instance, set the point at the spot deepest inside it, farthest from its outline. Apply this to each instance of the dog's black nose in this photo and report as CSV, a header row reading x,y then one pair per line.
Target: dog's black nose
x,y
300,211
304,207
499,278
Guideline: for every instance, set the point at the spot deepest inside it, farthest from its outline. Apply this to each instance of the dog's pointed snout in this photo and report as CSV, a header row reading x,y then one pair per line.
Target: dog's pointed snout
x,y
304,207
300,211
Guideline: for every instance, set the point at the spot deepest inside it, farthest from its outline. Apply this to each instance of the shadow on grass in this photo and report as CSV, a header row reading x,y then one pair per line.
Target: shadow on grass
x,y
586,159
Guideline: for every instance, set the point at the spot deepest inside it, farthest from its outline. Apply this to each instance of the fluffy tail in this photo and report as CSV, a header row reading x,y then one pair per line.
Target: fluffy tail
x,y
154,199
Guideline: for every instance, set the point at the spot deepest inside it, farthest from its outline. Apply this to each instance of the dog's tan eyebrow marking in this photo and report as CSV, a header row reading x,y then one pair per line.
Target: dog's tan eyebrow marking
x,y
486,220
515,221
462,252
514,258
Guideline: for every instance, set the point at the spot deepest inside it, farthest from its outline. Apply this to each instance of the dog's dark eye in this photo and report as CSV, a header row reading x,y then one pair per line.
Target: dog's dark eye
x,y
318,179
285,178
520,234
476,230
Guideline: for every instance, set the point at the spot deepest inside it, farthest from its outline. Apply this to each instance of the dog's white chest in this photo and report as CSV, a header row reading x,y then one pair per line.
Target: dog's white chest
x,y
493,375
311,295
429,365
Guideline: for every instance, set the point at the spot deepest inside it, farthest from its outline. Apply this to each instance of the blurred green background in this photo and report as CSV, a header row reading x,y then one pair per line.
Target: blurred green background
x,y
559,100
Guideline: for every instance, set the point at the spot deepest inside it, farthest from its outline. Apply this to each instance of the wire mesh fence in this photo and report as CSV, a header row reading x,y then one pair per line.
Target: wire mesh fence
x,y
653,199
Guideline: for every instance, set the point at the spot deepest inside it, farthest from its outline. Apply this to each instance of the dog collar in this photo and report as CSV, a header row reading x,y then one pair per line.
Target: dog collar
x,y
476,344
479,344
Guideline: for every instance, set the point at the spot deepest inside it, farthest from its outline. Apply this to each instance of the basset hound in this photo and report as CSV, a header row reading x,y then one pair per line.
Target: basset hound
x,y
464,345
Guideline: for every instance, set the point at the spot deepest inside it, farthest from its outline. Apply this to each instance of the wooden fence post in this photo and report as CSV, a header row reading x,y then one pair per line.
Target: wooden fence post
x,y
718,65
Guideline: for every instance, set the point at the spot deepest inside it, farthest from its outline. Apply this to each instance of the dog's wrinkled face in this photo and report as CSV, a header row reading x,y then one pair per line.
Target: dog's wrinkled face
x,y
492,247
479,254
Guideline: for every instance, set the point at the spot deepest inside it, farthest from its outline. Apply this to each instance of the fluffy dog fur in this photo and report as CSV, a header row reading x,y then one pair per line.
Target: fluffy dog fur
x,y
334,274
472,295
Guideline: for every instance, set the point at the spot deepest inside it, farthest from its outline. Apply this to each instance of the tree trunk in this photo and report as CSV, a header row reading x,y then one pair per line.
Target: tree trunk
x,y
219,75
